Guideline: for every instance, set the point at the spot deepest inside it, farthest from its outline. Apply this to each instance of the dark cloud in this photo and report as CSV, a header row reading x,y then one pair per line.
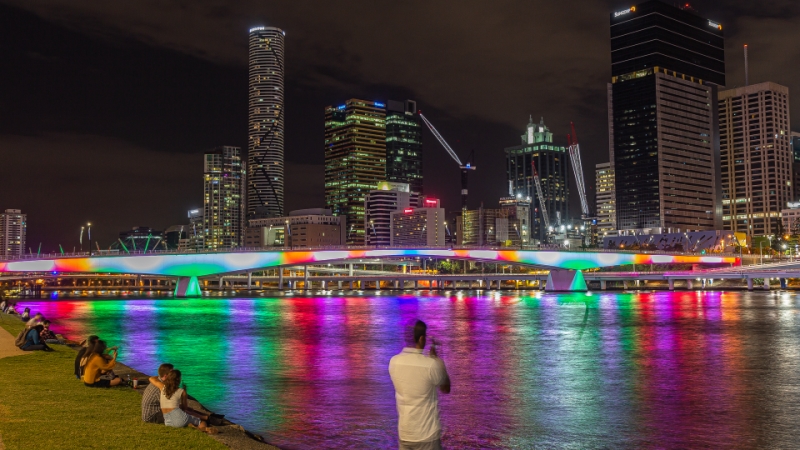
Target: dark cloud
x,y
165,78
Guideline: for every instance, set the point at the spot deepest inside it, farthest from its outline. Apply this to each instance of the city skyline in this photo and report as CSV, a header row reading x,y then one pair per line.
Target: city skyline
x,y
81,154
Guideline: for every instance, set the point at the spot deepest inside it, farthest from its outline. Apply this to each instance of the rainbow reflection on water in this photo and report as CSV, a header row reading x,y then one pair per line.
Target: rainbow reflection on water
x,y
663,369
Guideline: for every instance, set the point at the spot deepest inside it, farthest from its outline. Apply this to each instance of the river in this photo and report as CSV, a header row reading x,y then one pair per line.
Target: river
x,y
599,370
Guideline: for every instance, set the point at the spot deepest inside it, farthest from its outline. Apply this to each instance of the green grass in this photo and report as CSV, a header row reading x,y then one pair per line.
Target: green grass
x,y
42,405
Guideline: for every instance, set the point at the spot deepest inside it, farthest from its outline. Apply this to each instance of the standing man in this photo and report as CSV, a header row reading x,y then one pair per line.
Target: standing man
x,y
415,378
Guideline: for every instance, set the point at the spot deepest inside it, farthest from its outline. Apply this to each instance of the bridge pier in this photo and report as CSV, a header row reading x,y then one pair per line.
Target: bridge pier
x,y
280,278
783,283
187,287
671,284
565,281
249,281
766,283
416,284
603,285
351,281
625,284
749,284
324,284
305,278
339,284
690,284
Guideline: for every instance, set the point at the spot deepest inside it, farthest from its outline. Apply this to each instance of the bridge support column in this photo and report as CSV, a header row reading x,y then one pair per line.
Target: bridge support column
x,y
221,282
351,285
749,284
690,284
280,278
187,287
625,284
766,283
377,285
249,280
566,281
603,285
339,284
324,284
671,284
783,283
416,284
396,284
305,278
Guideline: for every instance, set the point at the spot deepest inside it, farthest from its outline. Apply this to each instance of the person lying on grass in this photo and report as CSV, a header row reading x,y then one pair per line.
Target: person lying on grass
x,y
151,402
94,364
174,404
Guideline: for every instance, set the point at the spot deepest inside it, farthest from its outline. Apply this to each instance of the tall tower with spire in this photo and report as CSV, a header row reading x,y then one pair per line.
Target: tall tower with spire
x,y
551,162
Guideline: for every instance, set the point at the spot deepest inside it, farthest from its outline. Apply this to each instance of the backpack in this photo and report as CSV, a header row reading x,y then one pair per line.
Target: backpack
x,y
22,337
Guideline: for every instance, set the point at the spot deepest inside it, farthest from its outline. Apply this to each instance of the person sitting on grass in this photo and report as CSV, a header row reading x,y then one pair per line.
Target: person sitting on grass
x,y
3,305
37,319
11,308
85,346
26,315
32,341
174,404
151,402
48,336
95,364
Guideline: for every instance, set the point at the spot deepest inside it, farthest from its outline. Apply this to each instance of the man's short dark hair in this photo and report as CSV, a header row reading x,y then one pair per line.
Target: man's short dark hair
x,y
164,369
46,322
420,329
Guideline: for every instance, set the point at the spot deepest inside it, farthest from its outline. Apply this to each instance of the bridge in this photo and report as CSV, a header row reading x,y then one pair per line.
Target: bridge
x,y
565,266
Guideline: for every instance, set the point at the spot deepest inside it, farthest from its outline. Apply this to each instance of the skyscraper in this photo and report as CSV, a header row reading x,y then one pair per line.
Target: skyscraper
x,y
604,199
13,231
223,209
355,159
404,144
537,149
379,204
666,64
265,157
756,152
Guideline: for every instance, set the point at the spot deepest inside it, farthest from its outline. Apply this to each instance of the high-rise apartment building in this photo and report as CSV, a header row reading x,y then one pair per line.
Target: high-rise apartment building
x,y
265,157
196,231
379,204
355,160
756,153
223,196
604,199
404,144
550,161
13,231
666,64
796,166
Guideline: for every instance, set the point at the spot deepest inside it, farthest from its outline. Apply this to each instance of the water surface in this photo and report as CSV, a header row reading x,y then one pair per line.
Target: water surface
x,y
603,370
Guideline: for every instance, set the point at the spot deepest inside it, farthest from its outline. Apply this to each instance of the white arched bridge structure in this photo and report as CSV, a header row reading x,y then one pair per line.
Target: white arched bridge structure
x,y
565,266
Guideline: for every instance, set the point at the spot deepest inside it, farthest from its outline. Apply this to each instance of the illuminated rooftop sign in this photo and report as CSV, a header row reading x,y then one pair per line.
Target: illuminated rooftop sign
x,y
408,210
711,23
625,11
379,105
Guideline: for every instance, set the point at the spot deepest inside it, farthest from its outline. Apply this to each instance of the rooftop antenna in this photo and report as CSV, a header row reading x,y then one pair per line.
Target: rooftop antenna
x,y
746,68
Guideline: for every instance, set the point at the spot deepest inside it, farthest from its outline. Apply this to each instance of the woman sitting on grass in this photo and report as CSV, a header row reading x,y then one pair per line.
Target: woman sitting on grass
x,y
174,403
94,364
28,339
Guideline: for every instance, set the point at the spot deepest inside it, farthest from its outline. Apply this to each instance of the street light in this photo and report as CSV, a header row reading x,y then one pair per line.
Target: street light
x,y
89,233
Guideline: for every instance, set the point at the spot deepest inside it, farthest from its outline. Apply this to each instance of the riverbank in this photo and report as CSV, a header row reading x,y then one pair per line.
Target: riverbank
x,y
43,404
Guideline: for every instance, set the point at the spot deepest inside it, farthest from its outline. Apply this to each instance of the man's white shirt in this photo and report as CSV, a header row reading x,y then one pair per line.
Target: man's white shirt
x,y
416,378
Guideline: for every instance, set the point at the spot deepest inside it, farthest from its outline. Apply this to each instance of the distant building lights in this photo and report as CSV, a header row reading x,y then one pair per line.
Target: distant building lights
x,y
379,105
408,210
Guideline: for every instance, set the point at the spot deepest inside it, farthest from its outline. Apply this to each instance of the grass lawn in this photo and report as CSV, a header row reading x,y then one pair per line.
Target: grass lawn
x,y
43,406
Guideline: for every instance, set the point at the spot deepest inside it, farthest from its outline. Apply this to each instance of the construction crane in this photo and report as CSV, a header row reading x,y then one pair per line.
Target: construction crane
x,y
540,194
577,168
465,168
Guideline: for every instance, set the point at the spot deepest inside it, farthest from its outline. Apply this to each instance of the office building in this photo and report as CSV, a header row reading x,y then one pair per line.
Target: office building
x,y
419,226
666,65
796,166
604,200
491,227
404,144
195,232
355,160
550,162
516,211
379,204
303,228
790,215
265,156
756,154
223,196
13,231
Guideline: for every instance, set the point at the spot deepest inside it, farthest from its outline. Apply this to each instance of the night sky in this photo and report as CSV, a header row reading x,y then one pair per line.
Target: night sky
x,y
107,107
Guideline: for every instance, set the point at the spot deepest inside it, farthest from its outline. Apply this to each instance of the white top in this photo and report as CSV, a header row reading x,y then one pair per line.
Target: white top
x,y
416,378
173,402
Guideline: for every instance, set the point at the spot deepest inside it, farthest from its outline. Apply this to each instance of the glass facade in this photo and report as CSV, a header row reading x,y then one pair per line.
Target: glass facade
x,y
404,144
666,64
223,208
355,160
551,164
